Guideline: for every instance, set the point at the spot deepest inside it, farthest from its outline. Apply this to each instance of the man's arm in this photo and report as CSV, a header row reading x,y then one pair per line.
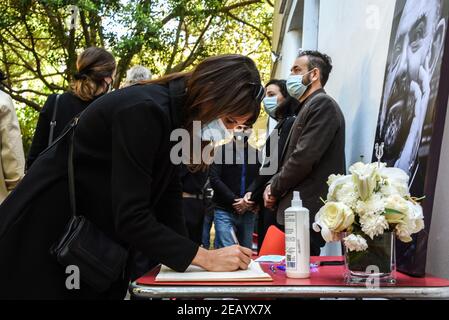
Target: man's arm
x,y
11,148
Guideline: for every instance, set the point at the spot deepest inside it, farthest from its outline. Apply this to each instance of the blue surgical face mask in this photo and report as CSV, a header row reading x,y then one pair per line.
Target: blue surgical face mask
x,y
295,86
270,104
215,131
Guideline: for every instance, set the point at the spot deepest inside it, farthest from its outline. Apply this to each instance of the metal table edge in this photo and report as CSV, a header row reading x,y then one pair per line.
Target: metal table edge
x,y
176,291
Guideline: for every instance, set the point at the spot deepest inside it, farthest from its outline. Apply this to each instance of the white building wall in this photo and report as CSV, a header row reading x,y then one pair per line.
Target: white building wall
x,y
356,34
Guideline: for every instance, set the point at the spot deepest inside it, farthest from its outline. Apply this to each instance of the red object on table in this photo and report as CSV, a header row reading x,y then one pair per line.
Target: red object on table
x,y
328,276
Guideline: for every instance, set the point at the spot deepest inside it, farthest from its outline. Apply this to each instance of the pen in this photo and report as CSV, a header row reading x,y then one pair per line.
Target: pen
x,y
282,268
234,237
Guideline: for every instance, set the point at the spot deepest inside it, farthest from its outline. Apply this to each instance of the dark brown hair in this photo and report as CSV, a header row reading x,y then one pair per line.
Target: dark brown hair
x,y
220,86
225,85
93,65
318,60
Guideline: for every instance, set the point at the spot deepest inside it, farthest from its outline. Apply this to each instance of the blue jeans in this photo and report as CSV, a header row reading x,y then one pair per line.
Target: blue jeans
x,y
243,225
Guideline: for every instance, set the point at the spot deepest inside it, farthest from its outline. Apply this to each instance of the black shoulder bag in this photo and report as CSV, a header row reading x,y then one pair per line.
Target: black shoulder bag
x,y
101,261
53,121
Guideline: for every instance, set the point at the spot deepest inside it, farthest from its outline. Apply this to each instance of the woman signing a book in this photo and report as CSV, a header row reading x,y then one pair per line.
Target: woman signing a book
x,y
117,157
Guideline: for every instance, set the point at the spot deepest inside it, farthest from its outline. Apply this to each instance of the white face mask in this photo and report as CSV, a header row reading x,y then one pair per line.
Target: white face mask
x,y
215,131
295,85
270,104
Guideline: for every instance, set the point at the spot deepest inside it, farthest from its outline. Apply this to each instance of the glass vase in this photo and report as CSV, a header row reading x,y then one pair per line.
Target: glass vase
x,y
374,266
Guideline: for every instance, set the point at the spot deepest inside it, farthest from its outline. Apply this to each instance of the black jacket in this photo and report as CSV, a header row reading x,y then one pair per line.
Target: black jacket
x,y
69,106
315,149
125,184
225,179
193,182
283,129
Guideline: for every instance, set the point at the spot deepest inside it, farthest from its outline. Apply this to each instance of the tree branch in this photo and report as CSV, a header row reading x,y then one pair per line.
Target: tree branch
x,y
30,68
250,25
173,14
20,98
85,28
191,58
175,49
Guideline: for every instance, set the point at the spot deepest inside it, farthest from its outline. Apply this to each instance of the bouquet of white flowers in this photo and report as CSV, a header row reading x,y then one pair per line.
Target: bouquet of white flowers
x,y
372,200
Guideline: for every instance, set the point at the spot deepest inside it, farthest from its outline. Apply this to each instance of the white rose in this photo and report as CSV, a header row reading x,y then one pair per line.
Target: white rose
x,y
413,222
407,216
365,177
327,235
336,216
355,243
394,174
395,181
373,224
332,219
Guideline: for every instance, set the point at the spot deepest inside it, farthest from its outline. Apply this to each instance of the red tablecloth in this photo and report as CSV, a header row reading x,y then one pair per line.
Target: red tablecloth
x,y
330,276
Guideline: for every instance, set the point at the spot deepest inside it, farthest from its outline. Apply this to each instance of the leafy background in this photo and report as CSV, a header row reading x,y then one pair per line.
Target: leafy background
x,y
39,42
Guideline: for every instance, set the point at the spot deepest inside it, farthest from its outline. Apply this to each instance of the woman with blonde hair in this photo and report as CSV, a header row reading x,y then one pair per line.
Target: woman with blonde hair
x,y
94,76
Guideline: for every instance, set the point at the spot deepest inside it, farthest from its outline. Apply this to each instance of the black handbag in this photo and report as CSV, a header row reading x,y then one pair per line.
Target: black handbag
x,y
101,261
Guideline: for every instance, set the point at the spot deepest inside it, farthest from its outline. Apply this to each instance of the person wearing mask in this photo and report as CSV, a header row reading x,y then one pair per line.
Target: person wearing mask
x,y
233,171
126,179
137,74
283,108
94,76
316,145
12,159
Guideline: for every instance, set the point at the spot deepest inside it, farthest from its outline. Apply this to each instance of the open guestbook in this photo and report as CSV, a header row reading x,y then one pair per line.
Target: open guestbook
x,y
197,274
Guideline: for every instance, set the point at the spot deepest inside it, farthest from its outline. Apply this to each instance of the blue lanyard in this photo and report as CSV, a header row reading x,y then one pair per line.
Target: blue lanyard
x,y
243,178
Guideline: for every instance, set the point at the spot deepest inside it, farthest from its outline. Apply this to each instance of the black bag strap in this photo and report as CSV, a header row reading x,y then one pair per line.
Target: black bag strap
x,y
53,121
71,173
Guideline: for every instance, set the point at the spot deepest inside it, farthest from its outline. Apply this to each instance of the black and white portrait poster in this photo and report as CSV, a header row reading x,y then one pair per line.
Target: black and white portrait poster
x,y
406,123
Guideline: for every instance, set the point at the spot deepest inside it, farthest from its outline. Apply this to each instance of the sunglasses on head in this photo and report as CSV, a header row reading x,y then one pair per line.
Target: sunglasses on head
x,y
259,91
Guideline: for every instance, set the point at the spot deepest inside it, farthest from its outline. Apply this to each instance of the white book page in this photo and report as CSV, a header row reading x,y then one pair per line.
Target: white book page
x,y
194,273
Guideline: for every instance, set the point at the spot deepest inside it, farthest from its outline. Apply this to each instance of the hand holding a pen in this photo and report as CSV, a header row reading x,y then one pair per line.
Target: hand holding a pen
x,y
225,259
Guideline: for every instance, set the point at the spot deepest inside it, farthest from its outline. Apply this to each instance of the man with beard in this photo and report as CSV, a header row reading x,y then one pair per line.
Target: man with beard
x,y
407,94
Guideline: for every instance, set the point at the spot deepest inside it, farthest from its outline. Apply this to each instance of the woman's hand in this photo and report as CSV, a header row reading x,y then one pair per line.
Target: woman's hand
x,y
225,259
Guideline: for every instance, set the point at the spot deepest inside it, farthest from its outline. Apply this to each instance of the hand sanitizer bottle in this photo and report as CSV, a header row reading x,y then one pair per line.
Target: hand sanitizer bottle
x,y
297,239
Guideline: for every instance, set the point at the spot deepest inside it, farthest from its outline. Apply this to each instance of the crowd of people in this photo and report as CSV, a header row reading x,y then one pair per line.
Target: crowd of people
x,y
105,155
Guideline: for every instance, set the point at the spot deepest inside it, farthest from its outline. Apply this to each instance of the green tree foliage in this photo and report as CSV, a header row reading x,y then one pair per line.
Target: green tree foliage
x,y
40,40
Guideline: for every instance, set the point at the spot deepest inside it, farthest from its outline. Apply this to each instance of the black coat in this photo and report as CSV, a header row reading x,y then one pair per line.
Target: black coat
x,y
314,150
125,184
225,178
193,182
259,184
69,106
